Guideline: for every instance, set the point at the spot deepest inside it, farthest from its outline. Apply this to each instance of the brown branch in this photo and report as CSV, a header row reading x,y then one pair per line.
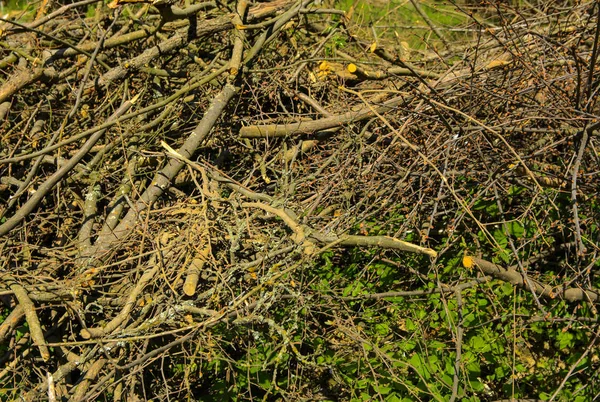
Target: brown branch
x,y
239,38
581,249
375,241
109,123
41,21
45,188
310,127
207,27
163,178
442,288
11,322
299,231
35,328
89,376
303,233
363,72
123,315
63,371
516,278
19,80
194,270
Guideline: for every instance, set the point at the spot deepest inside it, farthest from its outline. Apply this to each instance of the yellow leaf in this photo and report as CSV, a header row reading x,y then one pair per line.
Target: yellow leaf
x,y
350,13
373,47
496,64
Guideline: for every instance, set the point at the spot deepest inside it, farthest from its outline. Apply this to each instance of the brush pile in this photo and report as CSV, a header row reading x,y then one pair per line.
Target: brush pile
x,y
189,193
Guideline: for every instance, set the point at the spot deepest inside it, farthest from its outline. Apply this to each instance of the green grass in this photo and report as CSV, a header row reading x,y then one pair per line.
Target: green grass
x,y
18,10
399,21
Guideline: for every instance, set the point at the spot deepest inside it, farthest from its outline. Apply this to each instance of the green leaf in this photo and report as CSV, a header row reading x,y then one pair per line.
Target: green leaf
x,y
410,325
264,380
437,345
474,369
483,204
361,384
515,190
506,289
448,380
382,389
382,329
357,289
408,345
254,368
393,397
450,367
477,386
500,238
504,256
417,362
516,229
565,340
479,344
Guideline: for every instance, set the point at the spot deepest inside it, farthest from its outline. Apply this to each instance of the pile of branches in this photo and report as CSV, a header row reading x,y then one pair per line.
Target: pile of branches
x,y
170,173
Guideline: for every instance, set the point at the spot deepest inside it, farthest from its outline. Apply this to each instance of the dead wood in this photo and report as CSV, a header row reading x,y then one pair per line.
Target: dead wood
x,y
183,184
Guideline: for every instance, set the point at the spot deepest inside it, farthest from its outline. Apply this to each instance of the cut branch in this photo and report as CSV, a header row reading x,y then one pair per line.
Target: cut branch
x,y
35,328
514,277
310,127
